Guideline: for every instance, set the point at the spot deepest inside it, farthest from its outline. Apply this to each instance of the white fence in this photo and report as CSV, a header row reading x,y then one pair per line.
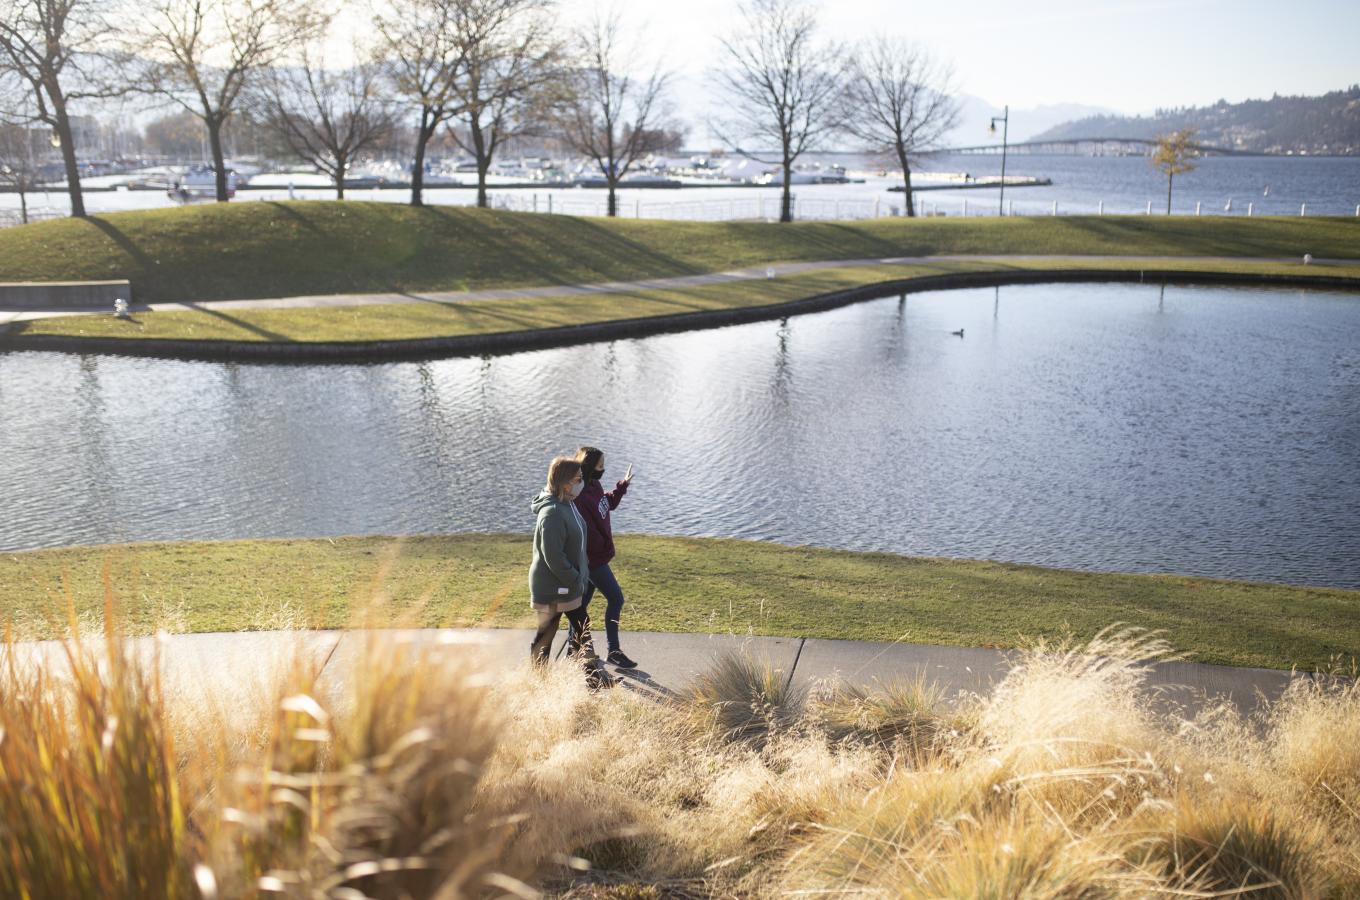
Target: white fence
x,y
928,203
697,205
764,208
9,217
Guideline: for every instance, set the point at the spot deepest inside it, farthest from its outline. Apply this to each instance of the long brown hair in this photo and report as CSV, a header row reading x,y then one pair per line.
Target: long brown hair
x,y
560,473
589,458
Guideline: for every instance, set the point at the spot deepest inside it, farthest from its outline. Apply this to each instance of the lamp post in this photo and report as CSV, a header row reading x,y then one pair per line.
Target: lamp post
x,y
1005,119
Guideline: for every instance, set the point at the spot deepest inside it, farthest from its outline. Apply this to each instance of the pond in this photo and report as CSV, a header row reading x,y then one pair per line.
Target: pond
x,y
1198,430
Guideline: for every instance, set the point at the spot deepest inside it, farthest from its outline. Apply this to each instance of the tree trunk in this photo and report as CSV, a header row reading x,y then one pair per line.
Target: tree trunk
x,y
786,199
68,154
483,160
910,201
23,206
1169,176
613,201
339,179
219,158
418,169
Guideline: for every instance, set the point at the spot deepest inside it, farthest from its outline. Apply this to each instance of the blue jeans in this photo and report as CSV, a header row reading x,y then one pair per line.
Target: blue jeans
x,y
603,580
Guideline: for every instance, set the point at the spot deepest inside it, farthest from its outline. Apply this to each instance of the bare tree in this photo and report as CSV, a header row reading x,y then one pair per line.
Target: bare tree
x,y
19,161
418,38
899,101
327,117
58,50
610,115
781,84
508,58
1174,156
208,51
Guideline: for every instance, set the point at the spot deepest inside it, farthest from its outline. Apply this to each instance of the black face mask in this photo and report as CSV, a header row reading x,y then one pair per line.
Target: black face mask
x,y
599,473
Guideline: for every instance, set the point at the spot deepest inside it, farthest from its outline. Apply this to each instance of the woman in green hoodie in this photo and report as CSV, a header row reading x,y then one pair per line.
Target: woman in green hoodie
x,y
558,572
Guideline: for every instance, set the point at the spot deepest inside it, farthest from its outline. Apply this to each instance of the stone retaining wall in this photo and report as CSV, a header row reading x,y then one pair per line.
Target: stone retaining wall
x,y
63,294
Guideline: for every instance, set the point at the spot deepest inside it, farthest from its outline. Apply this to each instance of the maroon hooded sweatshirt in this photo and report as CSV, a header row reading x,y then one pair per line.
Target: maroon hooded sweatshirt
x,y
594,505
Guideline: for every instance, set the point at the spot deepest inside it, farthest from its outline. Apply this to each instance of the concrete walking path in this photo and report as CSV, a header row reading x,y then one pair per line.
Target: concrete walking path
x,y
616,287
225,667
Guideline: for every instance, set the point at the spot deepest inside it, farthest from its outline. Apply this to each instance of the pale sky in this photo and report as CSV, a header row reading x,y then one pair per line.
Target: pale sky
x,y
1131,55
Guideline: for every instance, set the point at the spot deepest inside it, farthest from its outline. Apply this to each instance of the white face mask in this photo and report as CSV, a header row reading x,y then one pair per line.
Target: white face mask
x,y
575,490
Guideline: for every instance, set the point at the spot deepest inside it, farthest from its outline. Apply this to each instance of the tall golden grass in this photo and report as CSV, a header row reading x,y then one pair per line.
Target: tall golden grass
x,y
411,772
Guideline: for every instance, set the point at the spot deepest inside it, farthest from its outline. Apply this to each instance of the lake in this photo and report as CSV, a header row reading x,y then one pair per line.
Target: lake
x,y
1199,430
1328,185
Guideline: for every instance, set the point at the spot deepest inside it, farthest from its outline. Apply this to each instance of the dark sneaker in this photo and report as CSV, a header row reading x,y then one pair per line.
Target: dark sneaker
x,y
620,659
597,678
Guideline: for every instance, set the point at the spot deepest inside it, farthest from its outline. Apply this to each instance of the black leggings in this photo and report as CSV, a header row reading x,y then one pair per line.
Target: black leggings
x,y
547,630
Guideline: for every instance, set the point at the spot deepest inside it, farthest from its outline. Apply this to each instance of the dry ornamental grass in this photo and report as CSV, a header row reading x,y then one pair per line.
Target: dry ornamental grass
x,y
417,775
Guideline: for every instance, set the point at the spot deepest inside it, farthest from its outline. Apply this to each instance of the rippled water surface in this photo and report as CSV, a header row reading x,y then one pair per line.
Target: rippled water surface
x,y
1199,430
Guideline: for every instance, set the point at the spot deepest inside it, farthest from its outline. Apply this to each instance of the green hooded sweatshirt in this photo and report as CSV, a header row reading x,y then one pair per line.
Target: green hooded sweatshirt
x,y
558,571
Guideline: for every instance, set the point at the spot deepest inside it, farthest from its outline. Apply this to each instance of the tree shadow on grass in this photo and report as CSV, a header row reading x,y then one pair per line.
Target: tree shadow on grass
x,y
144,262
554,249
291,212
1195,236
268,335
832,240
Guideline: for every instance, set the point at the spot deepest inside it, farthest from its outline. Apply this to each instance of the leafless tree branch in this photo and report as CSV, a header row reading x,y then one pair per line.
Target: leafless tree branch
x,y
781,86
328,117
59,51
206,53
611,116
899,101
417,39
510,59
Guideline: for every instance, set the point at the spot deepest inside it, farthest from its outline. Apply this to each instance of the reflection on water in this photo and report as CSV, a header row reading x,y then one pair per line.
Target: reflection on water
x,y
1197,430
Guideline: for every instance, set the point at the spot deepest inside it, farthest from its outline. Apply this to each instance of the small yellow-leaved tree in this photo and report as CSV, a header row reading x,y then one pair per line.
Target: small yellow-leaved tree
x,y
1174,156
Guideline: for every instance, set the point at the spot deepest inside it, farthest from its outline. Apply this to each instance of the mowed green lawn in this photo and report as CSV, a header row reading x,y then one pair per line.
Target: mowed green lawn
x,y
269,249
674,584
453,318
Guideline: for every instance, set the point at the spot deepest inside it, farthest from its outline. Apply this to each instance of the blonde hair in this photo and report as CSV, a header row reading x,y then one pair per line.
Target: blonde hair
x,y
560,473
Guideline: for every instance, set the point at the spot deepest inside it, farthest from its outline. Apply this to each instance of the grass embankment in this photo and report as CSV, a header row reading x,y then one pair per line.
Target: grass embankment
x,y
252,250
442,318
688,585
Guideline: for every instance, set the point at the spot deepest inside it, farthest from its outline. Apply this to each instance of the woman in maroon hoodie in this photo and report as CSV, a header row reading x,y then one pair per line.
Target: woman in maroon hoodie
x,y
594,504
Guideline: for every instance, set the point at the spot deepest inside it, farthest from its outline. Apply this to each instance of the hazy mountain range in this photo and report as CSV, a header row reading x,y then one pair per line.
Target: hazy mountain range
x,y
1329,124
1025,122
693,103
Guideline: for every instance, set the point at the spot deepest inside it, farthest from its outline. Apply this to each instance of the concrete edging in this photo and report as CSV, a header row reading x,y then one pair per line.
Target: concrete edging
x,y
343,352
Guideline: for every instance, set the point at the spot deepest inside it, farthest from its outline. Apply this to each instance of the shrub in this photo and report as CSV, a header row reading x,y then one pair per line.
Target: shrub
x,y
90,799
1233,845
745,700
910,717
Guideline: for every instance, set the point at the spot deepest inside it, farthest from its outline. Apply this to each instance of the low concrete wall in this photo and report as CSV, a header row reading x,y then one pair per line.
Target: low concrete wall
x,y
63,294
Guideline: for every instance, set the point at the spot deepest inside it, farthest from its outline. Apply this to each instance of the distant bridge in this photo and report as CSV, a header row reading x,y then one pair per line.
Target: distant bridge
x,y
1094,146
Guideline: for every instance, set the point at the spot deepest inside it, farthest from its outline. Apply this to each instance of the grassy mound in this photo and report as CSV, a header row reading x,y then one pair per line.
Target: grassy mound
x,y
461,318
276,249
686,585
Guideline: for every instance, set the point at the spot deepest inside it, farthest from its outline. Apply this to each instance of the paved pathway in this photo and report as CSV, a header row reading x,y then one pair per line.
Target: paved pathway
x,y
225,668
615,287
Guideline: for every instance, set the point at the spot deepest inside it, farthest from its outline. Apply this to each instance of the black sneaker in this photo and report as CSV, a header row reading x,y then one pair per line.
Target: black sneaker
x,y
597,678
620,659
